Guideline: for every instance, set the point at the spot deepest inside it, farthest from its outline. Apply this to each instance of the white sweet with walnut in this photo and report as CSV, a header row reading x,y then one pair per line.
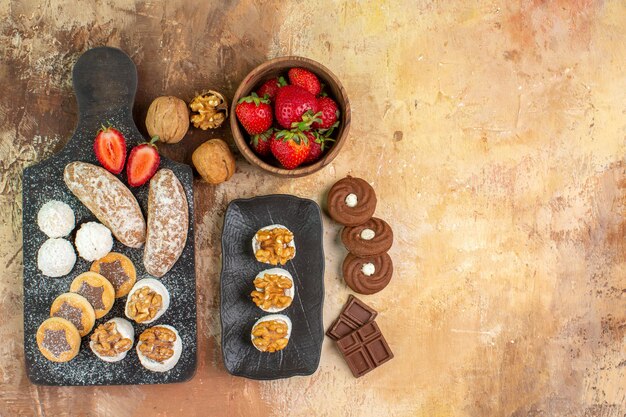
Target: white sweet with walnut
x,y
167,364
126,330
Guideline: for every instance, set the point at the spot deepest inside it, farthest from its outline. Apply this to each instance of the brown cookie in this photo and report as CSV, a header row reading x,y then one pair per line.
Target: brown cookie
x,y
97,290
351,201
58,339
76,309
370,238
119,270
367,275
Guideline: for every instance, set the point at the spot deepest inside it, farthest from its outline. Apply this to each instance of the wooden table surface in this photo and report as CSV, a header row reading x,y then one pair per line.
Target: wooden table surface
x,y
494,133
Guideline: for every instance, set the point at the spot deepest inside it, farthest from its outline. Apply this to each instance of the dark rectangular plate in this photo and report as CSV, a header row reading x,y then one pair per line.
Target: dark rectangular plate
x,y
44,182
239,267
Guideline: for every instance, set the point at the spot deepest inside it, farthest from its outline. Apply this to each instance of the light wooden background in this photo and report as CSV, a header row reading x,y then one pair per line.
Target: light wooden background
x,y
494,133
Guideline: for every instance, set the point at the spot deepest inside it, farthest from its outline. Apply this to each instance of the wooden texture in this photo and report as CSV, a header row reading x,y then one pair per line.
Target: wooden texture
x,y
494,134
278,67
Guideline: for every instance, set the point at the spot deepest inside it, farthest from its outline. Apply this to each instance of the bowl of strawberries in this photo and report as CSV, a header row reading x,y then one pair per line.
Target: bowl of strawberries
x,y
292,116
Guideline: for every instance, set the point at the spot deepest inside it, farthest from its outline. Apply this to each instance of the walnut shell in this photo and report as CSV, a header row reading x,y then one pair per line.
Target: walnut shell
x,y
168,118
214,161
209,110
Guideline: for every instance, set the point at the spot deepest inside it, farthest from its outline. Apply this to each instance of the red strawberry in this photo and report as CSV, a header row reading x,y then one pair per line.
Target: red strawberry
x,y
143,162
254,113
305,79
270,87
291,103
110,149
291,147
315,152
261,143
318,147
329,113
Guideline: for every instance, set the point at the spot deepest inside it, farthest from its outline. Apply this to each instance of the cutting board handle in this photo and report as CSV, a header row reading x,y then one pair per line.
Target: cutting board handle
x,y
105,83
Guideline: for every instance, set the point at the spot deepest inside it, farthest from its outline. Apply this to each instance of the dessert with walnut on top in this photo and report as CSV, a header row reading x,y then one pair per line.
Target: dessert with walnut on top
x,y
274,245
273,290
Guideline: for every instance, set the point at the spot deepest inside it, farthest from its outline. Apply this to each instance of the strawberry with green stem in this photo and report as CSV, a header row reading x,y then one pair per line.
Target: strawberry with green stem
x,y
261,143
328,113
254,113
291,147
291,103
320,144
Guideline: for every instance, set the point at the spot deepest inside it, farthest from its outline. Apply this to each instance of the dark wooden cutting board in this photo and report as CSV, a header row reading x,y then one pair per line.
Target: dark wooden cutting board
x,y
105,82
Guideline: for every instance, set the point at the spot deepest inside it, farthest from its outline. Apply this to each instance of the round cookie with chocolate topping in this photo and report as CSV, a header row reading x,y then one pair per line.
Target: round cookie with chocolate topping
x,y
58,339
76,309
119,270
97,290
351,201
367,275
370,238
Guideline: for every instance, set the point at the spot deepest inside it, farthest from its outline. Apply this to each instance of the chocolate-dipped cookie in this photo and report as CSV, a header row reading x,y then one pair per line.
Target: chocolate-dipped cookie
x,y
351,201
367,275
370,238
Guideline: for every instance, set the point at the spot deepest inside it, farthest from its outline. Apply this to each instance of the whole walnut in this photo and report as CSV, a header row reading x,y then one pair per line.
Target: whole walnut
x,y
168,118
214,161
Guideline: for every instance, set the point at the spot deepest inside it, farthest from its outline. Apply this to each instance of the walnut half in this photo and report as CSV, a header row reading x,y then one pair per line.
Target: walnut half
x,y
144,304
210,110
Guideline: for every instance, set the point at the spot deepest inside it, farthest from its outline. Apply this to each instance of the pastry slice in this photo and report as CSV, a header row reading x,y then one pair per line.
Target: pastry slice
x,y
168,222
109,200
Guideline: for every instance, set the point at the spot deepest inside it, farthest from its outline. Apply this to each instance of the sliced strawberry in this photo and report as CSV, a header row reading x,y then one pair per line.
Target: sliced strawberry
x,y
261,143
270,87
291,147
329,113
143,162
305,79
254,113
110,149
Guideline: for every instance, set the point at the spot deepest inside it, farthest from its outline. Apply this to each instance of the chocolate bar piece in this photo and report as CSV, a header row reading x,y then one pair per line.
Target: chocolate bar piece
x,y
353,315
364,349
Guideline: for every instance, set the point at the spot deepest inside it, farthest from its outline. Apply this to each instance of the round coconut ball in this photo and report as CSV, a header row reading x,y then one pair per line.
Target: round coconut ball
x,y
56,219
93,241
56,257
